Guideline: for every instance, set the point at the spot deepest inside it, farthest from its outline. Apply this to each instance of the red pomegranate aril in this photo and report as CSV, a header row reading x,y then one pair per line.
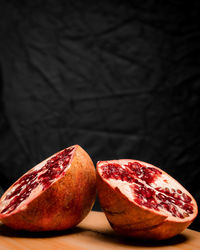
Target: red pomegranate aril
x,y
26,178
161,197
111,171
186,198
19,198
179,215
176,196
174,210
172,200
153,203
146,174
165,205
171,208
148,204
156,171
149,193
128,179
17,190
114,171
12,206
166,190
185,214
188,208
146,192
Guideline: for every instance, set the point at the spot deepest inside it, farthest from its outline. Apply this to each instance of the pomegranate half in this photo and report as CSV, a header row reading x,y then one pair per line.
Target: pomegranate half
x,y
143,201
56,194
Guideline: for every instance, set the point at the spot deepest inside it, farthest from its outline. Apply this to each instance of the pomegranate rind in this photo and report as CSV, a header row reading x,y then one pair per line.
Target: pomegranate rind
x,y
64,204
129,218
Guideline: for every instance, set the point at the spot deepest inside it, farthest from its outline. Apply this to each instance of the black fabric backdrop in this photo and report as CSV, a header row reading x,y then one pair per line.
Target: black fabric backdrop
x,y
120,78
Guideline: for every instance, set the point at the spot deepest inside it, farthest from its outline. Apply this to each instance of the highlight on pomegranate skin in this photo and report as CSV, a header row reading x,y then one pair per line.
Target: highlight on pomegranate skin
x,y
55,194
143,201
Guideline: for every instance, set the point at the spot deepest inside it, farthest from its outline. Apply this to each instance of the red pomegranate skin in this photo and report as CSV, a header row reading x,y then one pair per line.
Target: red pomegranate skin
x,y
63,204
129,219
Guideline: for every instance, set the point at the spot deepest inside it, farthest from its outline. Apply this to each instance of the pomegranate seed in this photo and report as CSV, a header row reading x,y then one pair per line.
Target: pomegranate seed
x,y
179,191
155,170
149,193
166,190
178,203
186,198
171,200
176,196
185,214
179,215
188,208
161,197
164,205
147,174
172,208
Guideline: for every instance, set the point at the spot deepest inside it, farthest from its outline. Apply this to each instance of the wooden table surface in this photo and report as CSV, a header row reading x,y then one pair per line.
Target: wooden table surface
x,y
93,233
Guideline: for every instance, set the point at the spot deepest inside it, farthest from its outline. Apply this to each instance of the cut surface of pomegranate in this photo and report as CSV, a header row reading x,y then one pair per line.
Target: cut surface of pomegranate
x,y
142,200
56,194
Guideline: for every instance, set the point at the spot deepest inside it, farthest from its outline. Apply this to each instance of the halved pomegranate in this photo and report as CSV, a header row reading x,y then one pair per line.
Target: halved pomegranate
x,y
143,201
55,194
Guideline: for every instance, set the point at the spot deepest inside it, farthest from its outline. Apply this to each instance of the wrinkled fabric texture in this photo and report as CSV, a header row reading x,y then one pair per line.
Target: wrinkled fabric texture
x,y
119,78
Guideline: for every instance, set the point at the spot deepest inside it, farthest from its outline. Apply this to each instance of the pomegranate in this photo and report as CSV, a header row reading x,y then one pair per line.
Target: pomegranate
x,y
143,201
56,194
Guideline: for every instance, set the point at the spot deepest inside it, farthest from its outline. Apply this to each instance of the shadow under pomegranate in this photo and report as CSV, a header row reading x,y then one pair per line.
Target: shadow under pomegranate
x,y
178,239
7,231
109,236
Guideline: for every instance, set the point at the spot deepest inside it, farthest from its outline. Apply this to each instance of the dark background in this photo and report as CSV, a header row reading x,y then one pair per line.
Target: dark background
x,y
120,78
